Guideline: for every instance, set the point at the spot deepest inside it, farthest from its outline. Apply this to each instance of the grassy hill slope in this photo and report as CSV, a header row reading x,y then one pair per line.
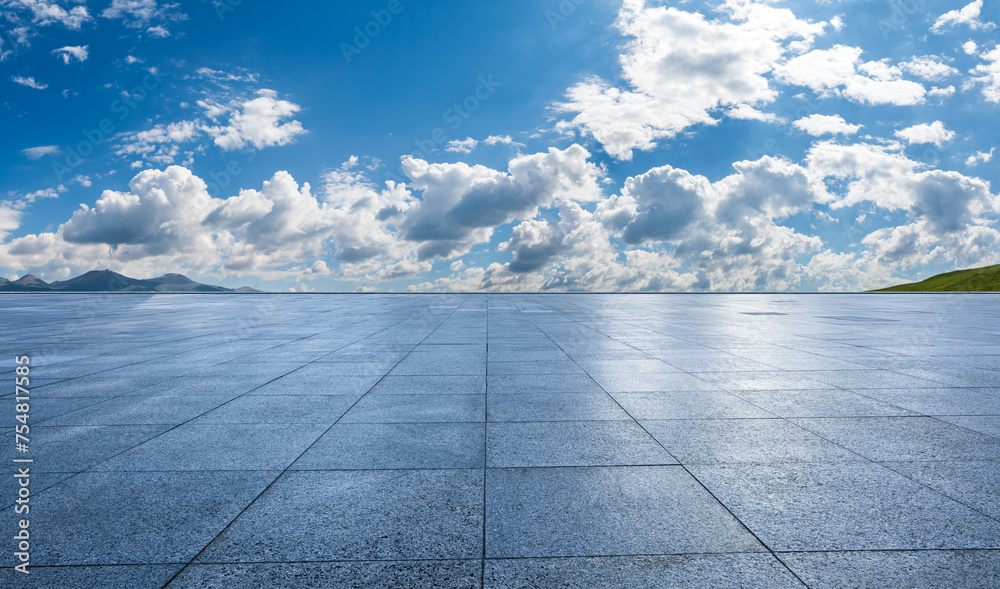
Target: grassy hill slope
x,y
974,280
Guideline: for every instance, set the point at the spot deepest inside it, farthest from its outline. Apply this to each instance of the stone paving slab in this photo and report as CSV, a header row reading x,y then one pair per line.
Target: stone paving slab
x,y
508,440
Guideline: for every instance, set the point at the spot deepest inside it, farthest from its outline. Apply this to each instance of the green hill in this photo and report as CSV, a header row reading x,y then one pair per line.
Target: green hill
x,y
975,280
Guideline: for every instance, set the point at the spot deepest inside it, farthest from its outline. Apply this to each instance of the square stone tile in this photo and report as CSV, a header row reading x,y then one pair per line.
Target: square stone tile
x,y
653,383
940,401
572,443
431,385
976,484
848,506
905,438
219,447
142,410
822,403
397,446
554,407
989,425
107,577
103,518
418,408
75,449
359,515
744,441
696,571
280,409
688,405
498,384
294,384
642,510
446,574
968,569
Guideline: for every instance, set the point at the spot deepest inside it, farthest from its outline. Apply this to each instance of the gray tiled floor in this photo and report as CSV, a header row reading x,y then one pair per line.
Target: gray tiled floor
x,y
509,440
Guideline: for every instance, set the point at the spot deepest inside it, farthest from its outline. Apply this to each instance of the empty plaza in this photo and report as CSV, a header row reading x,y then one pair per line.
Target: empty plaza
x,y
506,440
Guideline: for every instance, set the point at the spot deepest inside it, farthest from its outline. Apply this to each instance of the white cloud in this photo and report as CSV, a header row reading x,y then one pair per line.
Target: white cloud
x,y
139,13
461,145
946,201
980,157
679,68
967,15
936,92
501,140
36,153
258,123
167,221
817,125
261,122
746,112
159,32
935,133
30,82
160,144
970,47
461,204
839,71
988,74
45,12
10,220
928,67
70,53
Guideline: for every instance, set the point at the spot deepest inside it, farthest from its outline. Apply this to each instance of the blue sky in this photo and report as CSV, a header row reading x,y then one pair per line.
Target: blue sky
x,y
578,145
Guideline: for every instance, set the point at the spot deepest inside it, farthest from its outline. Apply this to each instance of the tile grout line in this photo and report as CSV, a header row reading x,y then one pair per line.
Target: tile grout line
x,y
318,438
679,463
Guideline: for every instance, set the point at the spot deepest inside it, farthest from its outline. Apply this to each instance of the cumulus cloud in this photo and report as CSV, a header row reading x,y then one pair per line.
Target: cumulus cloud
x,y
839,71
237,124
967,15
37,153
71,53
988,74
462,204
928,67
260,122
980,157
746,112
935,133
29,82
943,200
679,68
461,145
818,125
167,221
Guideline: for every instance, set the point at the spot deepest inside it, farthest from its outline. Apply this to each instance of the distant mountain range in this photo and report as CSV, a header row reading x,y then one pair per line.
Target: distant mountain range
x,y
975,280
108,281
